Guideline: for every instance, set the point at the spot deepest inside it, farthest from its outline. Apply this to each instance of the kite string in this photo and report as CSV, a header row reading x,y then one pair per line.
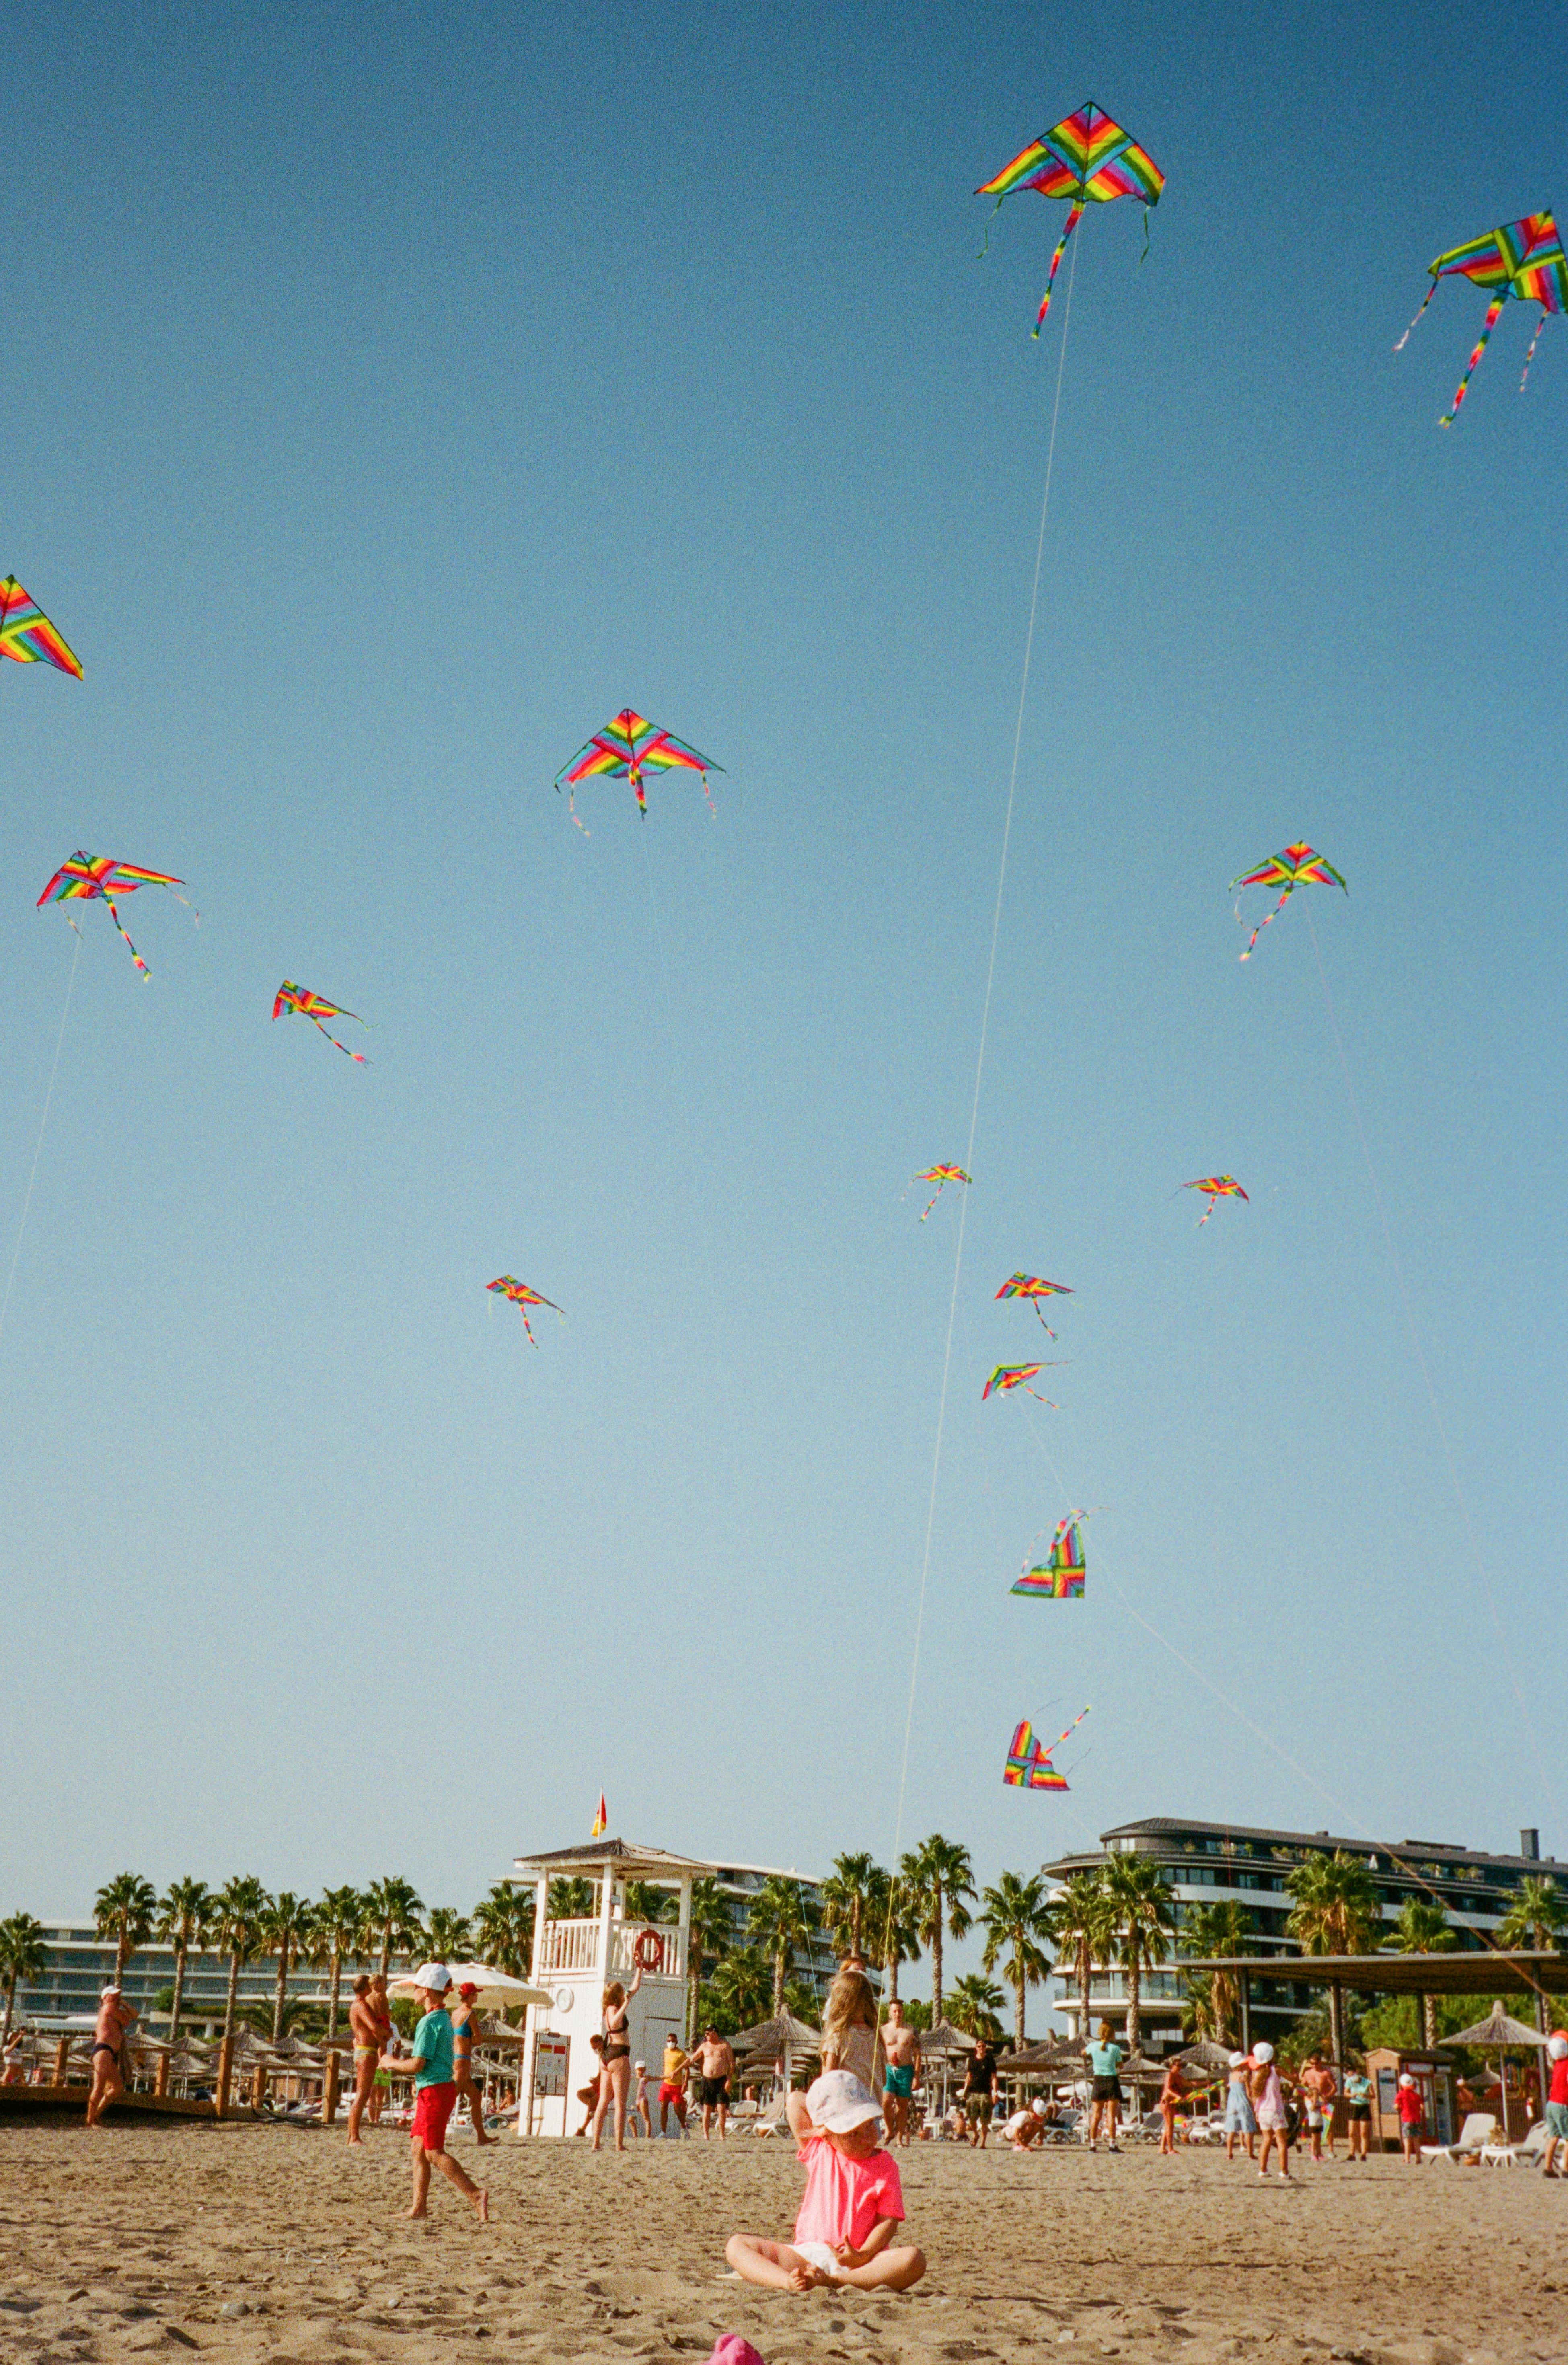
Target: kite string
x,y
974,1105
43,1122
1438,1421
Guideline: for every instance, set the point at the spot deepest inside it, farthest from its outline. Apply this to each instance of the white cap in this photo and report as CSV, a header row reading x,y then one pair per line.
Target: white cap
x,y
1405,2079
1237,2059
1037,2105
434,1975
1262,2053
840,2102
1557,2046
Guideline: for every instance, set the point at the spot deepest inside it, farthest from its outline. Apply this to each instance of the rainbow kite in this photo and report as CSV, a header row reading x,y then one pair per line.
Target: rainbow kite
x,y
522,1297
1029,1766
299,1000
1059,1576
26,634
939,1175
1296,867
1216,1187
624,750
1524,259
1086,157
89,875
1008,1376
1028,1285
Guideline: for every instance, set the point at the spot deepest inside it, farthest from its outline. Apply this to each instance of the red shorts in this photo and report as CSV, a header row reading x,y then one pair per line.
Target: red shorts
x,y
432,2108
676,2094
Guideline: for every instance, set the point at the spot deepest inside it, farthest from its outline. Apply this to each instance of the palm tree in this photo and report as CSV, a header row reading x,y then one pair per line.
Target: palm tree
x,y
1140,1905
22,1956
781,1922
447,1933
1082,1923
393,1919
338,1931
974,2005
938,1876
185,1923
1535,1916
125,1910
241,1909
287,1927
892,1938
647,1903
1218,1933
1422,1928
712,1932
571,1900
850,1896
739,1987
1017,1922
503,1929
1335,1908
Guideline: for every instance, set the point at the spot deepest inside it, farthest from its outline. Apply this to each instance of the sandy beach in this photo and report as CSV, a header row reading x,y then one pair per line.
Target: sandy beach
x,y
278,2244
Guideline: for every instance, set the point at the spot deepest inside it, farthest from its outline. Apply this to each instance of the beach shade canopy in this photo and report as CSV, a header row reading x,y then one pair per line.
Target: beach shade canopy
x,y
942,2038
1204,2055
771,2036
498,1989
1499,2032
1139,2065
1051,2053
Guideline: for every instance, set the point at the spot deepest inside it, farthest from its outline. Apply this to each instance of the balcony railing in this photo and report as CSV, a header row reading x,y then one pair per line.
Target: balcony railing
x,y
572,1947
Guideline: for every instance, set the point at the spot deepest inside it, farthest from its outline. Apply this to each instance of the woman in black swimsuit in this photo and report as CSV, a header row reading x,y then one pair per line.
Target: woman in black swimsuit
x,y
615,2077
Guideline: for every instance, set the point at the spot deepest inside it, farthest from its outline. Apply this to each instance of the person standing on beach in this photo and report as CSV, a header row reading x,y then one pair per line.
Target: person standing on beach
x,y
978,2080
1412,2119
672,2084
1239,2118
1556,2101
1105,2059
381,2083
1269,2105
1318,2090
464,2028
115,2018
615,2073
365,2029
436,2092
901,2048
1357,2102
1172,2094
716,2067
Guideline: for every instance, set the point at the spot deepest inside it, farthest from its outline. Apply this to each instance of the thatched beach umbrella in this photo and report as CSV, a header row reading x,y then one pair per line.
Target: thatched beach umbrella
x,y
785,2036
1500,2034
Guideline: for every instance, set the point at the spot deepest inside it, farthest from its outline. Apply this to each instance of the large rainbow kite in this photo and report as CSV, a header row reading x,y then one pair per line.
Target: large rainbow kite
x,y
93,877
26,634
1298,866
522,1297
1086,157
1215,1188
1008,1376
299,1001
939,1175
1029,1285
1524,258
1030,1765
628,746
1059,1576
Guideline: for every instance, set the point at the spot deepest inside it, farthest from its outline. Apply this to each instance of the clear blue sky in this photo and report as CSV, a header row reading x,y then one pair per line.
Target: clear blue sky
x,y
389,407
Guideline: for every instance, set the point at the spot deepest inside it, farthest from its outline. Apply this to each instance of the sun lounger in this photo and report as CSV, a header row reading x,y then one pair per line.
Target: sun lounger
x,y
1475,2134
1520,2155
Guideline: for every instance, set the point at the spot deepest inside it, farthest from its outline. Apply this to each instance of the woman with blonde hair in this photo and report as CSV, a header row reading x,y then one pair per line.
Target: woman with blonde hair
x,y
849,2027
615,2072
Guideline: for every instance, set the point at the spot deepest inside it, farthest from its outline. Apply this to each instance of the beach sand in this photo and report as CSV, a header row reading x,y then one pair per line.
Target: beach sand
x,y
279,2244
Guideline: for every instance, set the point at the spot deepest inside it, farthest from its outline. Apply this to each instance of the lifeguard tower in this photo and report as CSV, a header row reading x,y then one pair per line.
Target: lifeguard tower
x,y
576,1960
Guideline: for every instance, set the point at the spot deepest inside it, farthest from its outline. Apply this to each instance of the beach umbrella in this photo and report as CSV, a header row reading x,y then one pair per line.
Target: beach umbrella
x,y
1204,2055
1500,2034
785,2035
499,1992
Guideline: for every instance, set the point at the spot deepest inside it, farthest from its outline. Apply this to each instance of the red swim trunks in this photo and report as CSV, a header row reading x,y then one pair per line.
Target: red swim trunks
x,y
668,2093
432,2108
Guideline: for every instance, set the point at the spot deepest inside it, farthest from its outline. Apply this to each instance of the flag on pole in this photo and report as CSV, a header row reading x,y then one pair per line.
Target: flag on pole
x,y
601,1819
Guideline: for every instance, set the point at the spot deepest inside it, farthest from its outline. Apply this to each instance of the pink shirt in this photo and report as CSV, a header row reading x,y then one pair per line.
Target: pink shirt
x,y
844,2198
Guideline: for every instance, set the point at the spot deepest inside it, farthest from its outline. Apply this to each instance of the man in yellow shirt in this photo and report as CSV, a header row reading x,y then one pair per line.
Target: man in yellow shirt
x,y
672,2084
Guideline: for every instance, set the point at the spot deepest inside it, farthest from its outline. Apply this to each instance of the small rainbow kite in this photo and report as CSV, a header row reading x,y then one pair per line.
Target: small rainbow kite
x,y
522,1297
1216,1187
1059,1576
626,748
939,1175
1029,1766
89,876
1296,867
26,634
1007,1376
1085,157
1028,1285
1525,258
299,1000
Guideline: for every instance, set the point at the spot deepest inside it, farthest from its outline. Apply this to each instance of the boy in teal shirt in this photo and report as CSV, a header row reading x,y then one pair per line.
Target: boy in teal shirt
x,y
435,2090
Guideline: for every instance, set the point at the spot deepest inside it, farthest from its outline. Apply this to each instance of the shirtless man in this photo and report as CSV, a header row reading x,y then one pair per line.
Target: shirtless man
x,y
115,2018
365,2028
902,2046
381,2082
716,2064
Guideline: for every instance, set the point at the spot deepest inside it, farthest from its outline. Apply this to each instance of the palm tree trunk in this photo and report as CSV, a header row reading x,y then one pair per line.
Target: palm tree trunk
x,y
122,1948
332,1999
936,1972
1429,2022
779,1983
693,1989
1086,1974
1018,2016
1135,2002
234,1991
282,1990
179,1993
385,1949
10,2006
893,1976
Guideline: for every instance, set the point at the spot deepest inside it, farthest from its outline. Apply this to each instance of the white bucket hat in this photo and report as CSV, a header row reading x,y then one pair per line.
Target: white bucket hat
x,y
840,2102
434,1975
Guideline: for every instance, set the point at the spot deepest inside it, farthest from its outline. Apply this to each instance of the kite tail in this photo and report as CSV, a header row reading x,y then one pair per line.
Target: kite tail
x,y
931,1203
342,1046
1267,921
119,924
1404,340
572,808
1208,1211
1493,311
1039,1398
985,249
1531,356
1043,1323
1075,214
1144,256
532,1339
712,806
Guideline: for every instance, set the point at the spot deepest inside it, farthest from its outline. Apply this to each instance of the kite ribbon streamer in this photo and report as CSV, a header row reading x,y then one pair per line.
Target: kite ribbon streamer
x,y
357,1056
1531,356
119,924
1074,215
1269,917
1494,311
1404,340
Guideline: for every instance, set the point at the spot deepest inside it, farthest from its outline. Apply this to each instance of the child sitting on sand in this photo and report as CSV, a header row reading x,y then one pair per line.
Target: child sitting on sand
x,y
852,2205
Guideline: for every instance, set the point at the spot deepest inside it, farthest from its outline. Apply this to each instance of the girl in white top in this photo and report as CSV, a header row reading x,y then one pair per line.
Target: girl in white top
x,y
1269,2101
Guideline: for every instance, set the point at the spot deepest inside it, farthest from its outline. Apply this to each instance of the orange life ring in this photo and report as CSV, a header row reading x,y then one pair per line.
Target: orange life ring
x,y
648,1954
